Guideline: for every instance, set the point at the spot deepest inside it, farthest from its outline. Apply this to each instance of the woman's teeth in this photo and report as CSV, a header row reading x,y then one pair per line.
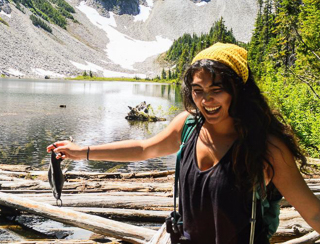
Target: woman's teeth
x,y
211,109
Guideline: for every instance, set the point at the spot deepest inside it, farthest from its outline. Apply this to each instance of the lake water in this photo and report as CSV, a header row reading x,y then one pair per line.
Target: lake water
x,y
31,119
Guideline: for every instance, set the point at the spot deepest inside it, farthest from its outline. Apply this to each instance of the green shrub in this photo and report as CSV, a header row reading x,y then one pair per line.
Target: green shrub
x,y
64,5
65,13
40,23
299,106
45,10
3,22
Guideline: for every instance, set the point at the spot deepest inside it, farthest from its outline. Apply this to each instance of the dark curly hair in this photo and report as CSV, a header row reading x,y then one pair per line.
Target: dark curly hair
x,y
253,119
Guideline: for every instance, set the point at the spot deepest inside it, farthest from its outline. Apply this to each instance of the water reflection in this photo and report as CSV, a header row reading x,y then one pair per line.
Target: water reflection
x,y
31,118
170,92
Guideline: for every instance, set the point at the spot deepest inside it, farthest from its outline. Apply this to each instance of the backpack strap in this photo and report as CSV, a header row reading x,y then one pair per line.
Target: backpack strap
x,y
188,127
270,208
253,214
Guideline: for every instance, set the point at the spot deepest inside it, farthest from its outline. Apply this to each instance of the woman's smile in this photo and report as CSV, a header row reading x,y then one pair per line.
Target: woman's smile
x,y
210,97
212,109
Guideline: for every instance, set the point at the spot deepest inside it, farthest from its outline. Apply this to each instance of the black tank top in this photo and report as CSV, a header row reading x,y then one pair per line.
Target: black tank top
x,y
213,210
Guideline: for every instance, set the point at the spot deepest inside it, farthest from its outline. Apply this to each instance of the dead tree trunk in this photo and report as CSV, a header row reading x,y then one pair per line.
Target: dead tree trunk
x,y
96,224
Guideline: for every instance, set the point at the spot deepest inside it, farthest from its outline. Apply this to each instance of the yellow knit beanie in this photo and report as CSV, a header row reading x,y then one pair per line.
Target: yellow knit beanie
x,y
229,54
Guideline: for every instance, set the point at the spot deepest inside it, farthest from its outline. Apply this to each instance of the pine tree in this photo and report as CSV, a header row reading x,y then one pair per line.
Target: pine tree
x,y
163,74
308,35
186,47
262,37
285,31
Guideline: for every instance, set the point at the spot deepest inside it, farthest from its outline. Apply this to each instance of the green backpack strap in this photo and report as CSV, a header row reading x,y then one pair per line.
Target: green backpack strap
x,y
270,209
188,127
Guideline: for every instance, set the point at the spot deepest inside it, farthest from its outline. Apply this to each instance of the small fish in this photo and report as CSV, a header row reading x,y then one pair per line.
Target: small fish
x,y
55,176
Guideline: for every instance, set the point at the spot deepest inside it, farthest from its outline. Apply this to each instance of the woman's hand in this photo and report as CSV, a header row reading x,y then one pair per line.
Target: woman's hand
x,y
67,149
166,142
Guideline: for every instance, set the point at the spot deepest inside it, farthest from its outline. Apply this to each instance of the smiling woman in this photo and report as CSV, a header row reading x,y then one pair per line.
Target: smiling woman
x,y
238,145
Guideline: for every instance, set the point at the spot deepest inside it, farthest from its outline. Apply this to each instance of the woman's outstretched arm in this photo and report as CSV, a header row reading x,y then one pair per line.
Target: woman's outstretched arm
x,y
164,143
289,182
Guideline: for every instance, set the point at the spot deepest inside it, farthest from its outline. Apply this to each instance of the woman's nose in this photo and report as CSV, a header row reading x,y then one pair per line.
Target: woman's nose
x,y
207,96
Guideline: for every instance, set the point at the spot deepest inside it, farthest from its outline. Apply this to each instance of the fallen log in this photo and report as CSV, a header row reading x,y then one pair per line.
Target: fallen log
x,y
288,213
84,186
306,239
141,113
14,173
96,224
105,200
161,237
55,242
90,175
285,203
126,214
97,175
11,235
15,167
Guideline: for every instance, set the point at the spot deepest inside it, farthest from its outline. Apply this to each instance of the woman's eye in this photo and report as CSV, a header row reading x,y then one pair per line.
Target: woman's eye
x,y
197,91
217,90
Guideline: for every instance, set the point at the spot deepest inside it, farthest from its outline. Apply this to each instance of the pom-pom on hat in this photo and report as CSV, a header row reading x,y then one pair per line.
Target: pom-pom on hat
x,y
229,54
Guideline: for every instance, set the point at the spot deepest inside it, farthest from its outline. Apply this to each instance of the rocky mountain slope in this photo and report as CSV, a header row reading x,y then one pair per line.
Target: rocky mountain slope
x,y
111,40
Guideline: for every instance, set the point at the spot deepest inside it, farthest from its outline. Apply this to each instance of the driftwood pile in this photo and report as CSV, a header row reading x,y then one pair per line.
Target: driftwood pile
x,y
141,112
102,202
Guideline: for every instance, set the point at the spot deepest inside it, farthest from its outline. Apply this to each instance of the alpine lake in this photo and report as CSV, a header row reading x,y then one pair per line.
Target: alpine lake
x,y
36,113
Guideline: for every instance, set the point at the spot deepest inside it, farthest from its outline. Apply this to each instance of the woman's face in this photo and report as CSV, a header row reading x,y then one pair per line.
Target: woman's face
x,y
210,98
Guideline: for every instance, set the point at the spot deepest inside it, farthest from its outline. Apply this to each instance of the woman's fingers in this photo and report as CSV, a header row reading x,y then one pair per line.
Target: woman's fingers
x,y
56,145
65,149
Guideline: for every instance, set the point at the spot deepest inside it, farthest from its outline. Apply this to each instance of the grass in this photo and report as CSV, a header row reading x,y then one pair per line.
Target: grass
x,y
94,78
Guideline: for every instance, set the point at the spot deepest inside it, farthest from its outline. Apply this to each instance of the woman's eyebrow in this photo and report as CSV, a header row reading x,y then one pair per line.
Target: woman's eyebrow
x,y
212,85
219,83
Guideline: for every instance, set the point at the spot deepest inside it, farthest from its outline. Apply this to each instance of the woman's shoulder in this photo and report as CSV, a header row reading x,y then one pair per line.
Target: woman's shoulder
x,y
177,123
180,119
278,151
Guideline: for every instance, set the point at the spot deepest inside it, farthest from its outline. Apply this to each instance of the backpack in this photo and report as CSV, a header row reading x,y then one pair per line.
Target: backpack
x,y
270,207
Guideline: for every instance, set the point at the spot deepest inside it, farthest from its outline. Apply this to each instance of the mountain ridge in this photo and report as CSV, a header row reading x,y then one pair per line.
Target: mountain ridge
x,y
120,45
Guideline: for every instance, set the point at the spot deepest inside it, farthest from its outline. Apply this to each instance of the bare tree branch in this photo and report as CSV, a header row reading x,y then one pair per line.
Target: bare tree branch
x,y
300,38
306,82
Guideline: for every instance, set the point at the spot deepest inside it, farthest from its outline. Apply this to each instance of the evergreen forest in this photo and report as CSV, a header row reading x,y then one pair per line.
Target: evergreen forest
x,y
45,12
284,56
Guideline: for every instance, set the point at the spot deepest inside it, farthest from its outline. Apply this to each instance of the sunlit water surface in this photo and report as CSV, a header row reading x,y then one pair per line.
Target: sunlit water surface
x,y
31,119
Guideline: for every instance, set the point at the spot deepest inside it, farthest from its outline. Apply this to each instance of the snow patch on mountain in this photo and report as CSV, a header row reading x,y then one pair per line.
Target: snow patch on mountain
x,y
5,14
15,72
43,73
95,17
143,15
201,4
106,73
123,49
